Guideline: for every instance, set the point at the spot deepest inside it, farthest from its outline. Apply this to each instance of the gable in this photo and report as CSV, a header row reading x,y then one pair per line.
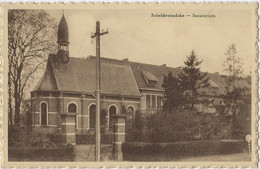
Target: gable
x,y
47,82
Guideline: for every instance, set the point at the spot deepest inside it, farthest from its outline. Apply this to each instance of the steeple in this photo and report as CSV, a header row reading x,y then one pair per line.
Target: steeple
x,y
63,40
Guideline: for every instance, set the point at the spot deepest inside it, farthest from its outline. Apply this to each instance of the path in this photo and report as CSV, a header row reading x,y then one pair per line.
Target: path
x,y
218,158
87,153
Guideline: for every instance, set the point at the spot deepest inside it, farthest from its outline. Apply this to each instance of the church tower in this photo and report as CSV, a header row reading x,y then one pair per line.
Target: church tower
x,y
63,40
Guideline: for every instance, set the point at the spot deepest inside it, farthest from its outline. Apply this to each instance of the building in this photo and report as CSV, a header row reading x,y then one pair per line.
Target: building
x,y
68,86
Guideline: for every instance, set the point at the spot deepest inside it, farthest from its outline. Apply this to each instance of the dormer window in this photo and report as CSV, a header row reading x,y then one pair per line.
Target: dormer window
x,y
213,84
149,78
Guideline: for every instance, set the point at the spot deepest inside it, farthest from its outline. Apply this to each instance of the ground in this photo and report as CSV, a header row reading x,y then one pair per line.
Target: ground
x,y
220,158
87,153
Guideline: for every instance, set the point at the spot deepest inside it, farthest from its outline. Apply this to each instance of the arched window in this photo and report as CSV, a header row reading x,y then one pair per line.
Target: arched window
x,y
112,111
43,114
72,108
130,116
92,114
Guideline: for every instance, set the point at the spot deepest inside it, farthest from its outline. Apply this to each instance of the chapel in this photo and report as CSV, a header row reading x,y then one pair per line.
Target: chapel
x,y
68,86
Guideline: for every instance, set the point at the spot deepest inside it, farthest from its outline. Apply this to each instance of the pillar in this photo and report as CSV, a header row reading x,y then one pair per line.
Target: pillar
x,y
119,136
68,128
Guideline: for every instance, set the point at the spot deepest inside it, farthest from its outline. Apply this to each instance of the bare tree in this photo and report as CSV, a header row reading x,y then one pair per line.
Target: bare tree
x,y
31,36
234,67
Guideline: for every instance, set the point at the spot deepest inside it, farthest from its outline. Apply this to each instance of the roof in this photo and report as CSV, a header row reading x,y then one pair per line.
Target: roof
x,y
63,31
213,84
118,77
79,75
157,73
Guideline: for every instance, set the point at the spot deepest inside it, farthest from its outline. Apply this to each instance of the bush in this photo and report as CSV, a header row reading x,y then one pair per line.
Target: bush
x,y
175,126
24,137
133,151
65,153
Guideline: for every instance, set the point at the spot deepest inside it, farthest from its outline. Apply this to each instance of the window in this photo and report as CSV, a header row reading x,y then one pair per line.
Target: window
x,y
43,114
149,78
148,101
130,116
92,114
72,108
112,111
153,101
159,102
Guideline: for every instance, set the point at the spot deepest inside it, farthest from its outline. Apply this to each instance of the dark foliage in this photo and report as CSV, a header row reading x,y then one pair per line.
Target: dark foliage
x,y
173,97
191,79
177,125
136,133
26,115
65,153
133,151
24,137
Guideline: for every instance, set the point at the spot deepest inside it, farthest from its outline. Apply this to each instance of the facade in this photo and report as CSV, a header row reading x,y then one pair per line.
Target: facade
x,y
68,86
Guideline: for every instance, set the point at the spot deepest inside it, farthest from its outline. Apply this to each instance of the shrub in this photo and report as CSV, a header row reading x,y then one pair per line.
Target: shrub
x,y
175,126
65,153
23,137
136,151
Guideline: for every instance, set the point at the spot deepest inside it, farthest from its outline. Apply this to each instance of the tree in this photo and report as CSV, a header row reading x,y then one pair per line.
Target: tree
x,y
173,95
234,68
191,79
31,36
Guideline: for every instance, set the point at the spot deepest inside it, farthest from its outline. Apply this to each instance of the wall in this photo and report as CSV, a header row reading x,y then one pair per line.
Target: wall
x,y
59,104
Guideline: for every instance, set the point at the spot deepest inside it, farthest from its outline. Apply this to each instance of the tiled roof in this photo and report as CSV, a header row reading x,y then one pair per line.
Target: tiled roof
x,y
117,77
217,81
79,75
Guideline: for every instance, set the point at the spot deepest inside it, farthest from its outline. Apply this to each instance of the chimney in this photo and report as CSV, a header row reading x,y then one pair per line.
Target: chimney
x,y
125,60
163,65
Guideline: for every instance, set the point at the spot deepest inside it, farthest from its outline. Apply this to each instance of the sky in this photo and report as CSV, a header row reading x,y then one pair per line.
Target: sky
x,y
135,35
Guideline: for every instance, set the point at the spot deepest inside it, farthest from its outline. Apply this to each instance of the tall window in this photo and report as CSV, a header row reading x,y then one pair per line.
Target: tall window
x,y
130,116
72,108
148,105
112,111
159,102
92,114
153,101
43,113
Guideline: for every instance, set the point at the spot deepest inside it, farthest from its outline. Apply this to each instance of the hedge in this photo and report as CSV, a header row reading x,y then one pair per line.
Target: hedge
x,y
136,151
106,138
65,153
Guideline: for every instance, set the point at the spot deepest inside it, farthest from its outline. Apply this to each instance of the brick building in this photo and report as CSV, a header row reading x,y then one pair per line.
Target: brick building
x,y
68,86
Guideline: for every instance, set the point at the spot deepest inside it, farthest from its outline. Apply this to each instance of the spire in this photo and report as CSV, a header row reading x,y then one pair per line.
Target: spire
x,y
63,32
63,40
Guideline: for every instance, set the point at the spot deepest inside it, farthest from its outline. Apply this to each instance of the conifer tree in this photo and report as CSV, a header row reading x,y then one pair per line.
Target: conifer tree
x,y
191,79
173,93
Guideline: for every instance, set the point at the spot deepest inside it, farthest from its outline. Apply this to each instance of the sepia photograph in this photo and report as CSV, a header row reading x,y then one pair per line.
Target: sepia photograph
x,y
130,85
